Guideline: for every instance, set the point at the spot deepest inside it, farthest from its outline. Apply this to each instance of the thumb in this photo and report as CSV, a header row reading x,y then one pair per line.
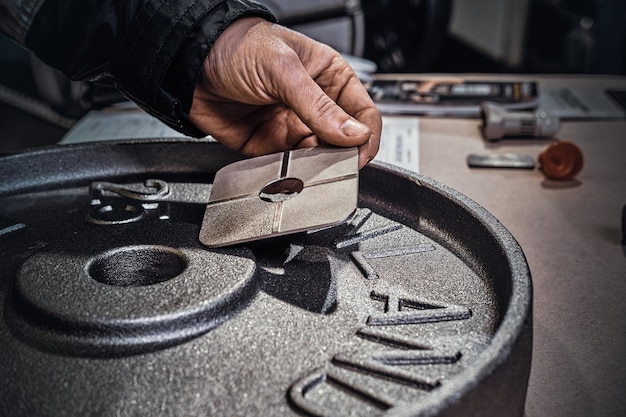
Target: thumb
x,y
327,120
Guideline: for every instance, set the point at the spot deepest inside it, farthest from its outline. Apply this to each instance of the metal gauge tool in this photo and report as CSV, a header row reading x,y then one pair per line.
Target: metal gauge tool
x,y
281,193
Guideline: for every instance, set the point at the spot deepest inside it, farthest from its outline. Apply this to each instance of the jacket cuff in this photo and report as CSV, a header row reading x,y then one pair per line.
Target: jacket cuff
x,y
159,60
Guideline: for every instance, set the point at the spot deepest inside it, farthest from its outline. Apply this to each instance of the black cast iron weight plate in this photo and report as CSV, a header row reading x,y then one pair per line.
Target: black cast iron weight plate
x,y
420,305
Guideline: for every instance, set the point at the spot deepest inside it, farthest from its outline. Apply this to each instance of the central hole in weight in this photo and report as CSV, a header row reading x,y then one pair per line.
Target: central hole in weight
x,y
281,190
137,266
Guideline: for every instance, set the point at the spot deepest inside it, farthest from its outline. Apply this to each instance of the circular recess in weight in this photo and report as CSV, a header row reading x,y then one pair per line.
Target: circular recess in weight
x,y
137,266
129,288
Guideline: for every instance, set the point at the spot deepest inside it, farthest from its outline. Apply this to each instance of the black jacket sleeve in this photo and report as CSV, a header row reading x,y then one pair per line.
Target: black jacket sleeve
x,y
152,49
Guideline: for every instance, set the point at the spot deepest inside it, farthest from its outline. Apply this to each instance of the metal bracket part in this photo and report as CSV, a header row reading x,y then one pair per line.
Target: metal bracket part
x,y
280,194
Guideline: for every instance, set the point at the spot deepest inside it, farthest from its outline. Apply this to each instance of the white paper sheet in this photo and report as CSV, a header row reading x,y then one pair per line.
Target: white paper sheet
x,y
399,144
100,125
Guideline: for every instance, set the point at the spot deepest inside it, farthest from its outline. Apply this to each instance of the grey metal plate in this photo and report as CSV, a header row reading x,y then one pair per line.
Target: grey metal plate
x,y
279,194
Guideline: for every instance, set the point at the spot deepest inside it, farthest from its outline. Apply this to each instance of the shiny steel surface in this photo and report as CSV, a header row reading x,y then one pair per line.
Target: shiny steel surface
x,y
279,194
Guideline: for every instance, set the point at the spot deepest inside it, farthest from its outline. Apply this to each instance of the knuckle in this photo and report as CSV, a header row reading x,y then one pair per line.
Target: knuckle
x,y
323,107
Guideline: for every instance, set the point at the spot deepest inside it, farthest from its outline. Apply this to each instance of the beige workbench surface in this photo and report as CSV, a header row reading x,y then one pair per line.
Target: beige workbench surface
x,y
570,233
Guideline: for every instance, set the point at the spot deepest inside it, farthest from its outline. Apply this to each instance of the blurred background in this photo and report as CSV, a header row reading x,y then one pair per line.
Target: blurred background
x,y
521,36
38,105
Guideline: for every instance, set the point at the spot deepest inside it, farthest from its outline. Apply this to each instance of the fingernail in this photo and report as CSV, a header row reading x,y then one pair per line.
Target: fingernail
x,y
353,128
364,161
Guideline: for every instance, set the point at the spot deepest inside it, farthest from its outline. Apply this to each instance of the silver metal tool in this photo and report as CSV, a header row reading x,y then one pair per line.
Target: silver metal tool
x,y
281,193
504,160
498,122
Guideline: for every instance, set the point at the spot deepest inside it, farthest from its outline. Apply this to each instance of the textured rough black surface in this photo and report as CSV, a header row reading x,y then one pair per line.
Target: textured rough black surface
x,y
420,305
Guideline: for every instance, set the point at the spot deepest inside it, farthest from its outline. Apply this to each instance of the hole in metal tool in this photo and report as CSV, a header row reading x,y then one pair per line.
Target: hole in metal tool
x,y
281,190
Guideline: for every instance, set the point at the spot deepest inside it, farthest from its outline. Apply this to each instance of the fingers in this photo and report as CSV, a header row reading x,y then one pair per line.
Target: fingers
x,y
255,63
352,120
369,149
278,130
329,99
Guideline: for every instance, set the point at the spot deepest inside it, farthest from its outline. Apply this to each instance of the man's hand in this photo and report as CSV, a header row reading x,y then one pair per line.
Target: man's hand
x,y
265,88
